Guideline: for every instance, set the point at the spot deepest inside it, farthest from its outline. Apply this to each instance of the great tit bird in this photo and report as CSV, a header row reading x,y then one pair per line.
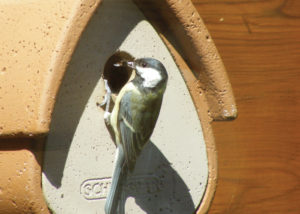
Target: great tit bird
x,y
133,119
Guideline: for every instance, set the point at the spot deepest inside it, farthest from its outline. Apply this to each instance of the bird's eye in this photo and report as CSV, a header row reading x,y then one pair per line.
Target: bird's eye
x,y
144,64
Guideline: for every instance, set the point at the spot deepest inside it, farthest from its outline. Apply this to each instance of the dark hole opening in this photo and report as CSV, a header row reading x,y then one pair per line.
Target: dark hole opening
x,y
117,77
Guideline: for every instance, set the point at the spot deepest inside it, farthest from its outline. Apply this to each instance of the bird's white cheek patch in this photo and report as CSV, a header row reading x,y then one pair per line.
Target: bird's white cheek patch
x,y
151,77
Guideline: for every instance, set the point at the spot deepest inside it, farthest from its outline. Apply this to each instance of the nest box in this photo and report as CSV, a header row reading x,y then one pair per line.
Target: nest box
x,y
55,151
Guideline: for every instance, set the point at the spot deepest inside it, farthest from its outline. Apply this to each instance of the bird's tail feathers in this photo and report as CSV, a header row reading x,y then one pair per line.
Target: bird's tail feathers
x,y
112,200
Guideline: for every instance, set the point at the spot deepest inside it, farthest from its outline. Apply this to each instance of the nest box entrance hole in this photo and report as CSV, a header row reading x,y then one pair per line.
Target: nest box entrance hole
x,y
117,76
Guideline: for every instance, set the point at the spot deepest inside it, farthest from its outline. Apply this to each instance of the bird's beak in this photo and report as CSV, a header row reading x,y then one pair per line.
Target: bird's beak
x,y
131,64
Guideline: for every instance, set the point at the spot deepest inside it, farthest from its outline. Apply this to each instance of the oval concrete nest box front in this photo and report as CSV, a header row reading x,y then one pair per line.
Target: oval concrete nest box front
x,y
56,153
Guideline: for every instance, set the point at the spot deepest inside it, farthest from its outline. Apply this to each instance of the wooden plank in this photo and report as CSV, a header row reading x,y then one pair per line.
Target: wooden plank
x,y
259,153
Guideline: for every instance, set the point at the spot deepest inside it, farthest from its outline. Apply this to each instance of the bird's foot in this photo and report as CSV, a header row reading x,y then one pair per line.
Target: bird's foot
x,y
106,101
107,96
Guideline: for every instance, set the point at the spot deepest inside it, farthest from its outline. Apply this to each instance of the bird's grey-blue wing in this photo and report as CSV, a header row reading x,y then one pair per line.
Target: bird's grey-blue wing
x,y
137,118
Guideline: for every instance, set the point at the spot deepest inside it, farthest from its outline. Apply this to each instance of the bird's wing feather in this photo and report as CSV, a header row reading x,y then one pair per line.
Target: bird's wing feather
x,y
137,119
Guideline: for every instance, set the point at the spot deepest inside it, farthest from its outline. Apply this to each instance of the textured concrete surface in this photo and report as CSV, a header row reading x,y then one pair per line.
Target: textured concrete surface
x,y
171,174
33,36
20,183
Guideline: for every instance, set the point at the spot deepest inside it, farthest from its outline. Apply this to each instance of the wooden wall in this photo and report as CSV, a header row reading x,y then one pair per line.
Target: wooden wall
x,y
259,153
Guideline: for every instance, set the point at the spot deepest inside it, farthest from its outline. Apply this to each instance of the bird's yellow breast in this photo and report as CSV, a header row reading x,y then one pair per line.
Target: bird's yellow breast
x,y
114,115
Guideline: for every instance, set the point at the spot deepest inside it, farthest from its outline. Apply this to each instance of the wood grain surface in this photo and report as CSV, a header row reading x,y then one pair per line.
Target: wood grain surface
x,y
258,153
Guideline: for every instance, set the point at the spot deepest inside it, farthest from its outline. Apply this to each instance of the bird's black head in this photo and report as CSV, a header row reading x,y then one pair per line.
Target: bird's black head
x,y
151,71
151,63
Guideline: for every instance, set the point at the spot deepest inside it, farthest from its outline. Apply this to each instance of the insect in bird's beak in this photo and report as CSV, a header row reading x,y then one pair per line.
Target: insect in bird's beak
x,y
130,64
118,64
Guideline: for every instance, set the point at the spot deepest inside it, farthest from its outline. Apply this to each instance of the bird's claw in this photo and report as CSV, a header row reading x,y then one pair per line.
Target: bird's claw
x,y
105,100
106,115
